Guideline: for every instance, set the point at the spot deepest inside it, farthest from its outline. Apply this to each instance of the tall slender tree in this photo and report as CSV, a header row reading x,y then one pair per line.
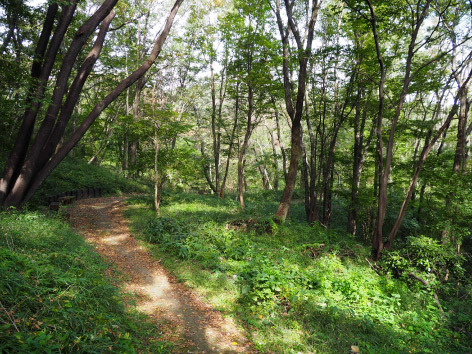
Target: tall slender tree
x,y
289,29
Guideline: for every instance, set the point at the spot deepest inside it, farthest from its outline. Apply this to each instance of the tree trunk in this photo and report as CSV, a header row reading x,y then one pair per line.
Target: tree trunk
x,y
159,178
384,171
265,174
306,179
231,143
275,163
284,205
356,169
52,128
294,109
266,185
459,157
35,93
242,150
360,152
140,83
424,154
279,139
43,157
133,146
215,131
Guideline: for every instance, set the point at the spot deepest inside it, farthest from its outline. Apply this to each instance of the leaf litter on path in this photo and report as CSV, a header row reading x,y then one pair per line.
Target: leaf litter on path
x,y
193,326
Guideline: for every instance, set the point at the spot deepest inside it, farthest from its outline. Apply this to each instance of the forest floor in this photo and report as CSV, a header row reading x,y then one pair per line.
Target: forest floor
x,y
186,321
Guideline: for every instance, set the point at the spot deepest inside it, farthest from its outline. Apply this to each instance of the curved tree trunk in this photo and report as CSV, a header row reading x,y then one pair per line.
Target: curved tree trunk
x,y
43,157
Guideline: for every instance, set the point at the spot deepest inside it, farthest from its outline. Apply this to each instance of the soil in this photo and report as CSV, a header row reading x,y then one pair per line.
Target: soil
x,y
184,319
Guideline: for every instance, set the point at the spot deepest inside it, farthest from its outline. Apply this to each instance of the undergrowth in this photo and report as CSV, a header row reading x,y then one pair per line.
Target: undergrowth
x,y
297,288
56,298
73,174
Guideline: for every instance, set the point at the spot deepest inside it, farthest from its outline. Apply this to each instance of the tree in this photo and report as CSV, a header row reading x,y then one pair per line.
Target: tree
x,y
326,110
294,107
249,46
32,160
416,62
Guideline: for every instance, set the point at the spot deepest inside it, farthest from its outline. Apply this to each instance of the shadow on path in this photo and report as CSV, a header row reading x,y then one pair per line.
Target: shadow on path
x,y
195,326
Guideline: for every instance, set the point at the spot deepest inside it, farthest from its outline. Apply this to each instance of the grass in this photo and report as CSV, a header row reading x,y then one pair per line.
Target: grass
x,y
294,288
73,174
56,296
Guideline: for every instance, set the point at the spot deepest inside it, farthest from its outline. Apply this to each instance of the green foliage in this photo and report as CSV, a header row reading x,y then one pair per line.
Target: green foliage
x,y
301,288
74,174
424,257
268,282
172,234
175,236
56,297
427,267
446,210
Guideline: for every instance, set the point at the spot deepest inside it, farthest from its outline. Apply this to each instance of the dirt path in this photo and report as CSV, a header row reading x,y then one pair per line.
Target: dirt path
x,y
194,326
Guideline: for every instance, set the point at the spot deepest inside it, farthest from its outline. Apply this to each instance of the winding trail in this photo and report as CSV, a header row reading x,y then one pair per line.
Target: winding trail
x,y
185,320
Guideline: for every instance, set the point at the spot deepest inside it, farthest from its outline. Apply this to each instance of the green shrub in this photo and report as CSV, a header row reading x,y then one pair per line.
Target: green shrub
x,y
268,281
175,236
165,230
426,258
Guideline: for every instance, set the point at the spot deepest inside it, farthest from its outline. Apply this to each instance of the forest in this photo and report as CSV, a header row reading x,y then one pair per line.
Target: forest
x,y
303,166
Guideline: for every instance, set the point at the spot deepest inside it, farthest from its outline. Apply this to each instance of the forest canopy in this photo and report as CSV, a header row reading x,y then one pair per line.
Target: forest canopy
x,y
357,105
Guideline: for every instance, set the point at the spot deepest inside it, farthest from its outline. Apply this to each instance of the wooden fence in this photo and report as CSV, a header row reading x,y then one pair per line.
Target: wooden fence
x,y
56,201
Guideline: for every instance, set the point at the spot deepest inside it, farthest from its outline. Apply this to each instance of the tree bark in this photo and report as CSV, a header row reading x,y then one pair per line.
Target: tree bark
x,y
215,134
262,168
28,190
294,109
205,166
231,143
279,139
159,178
31,164
459,156
377,242
25,132
140,52
133,146
242,150
384,170
424,154
360,152
356,166
275,162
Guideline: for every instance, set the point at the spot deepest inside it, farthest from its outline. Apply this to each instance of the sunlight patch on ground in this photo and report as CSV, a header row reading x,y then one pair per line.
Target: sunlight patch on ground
x,y
115,239
198,326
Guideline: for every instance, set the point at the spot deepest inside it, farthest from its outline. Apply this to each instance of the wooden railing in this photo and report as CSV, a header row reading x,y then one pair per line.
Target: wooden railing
x,y
56,201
